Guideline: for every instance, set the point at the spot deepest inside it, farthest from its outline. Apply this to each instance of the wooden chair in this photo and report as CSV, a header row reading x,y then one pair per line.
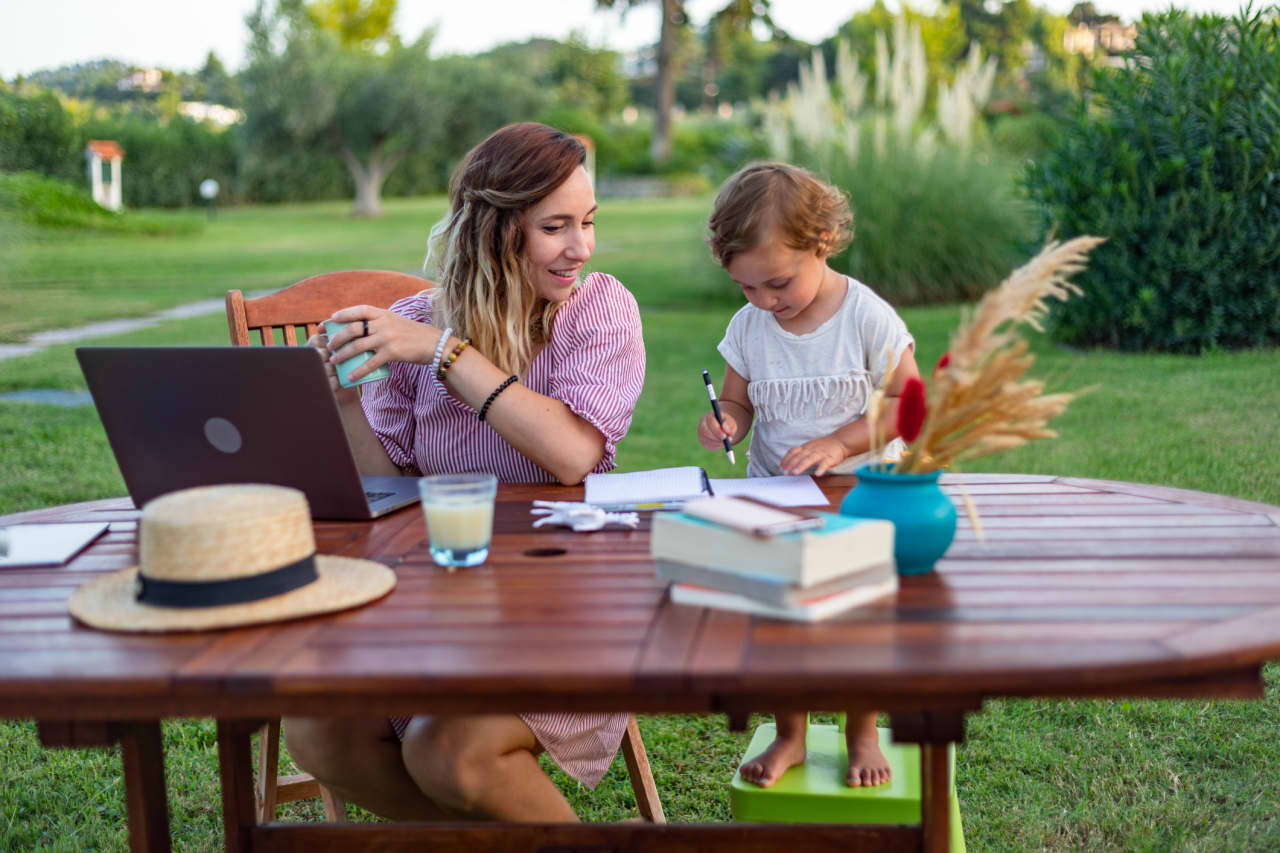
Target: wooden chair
x,y
310,302
306,305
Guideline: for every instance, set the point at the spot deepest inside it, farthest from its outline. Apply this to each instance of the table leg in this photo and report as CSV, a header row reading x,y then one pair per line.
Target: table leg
x,y
238,817
142,753
935,797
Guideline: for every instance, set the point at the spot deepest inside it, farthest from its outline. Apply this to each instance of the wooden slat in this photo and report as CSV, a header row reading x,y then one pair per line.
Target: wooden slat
x,y
1167,493
1182,523
670,641
637,837
1210,549
1105,533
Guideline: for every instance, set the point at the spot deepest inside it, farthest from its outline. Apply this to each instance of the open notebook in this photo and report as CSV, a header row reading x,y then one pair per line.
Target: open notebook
x,y
659,488
669,488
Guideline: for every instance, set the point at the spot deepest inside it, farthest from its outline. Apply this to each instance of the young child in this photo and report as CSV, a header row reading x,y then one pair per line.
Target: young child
x,y
802,360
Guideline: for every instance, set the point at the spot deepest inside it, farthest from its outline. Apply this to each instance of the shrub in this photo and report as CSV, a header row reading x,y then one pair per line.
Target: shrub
x,y
933,228
1026,136
165,161
37,134
37,200
936,214
1178,164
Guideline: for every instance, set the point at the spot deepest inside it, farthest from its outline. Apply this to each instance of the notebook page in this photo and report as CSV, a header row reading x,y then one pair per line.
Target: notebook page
x,y
783,491
642,487
47,544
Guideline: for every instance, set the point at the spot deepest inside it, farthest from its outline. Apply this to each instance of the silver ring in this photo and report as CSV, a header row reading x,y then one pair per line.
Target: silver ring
x,y
366,327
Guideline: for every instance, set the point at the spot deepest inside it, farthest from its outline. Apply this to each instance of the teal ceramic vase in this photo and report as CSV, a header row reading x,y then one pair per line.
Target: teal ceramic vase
x,y
923,517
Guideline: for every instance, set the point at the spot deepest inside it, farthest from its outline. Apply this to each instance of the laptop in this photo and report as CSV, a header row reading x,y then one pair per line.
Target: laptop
x,y
178,417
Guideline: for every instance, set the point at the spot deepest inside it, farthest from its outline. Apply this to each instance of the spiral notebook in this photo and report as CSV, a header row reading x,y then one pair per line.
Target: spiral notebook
x,y
658,488
670,488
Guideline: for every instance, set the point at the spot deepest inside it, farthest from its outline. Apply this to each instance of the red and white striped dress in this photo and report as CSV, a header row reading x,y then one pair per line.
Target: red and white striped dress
x,y
594,364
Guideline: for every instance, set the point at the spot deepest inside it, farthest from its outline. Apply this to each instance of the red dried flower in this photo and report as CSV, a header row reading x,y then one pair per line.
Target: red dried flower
x,y
911,409
942,362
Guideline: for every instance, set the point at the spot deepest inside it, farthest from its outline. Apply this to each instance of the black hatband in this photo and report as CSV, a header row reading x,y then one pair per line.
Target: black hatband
x,y
231,591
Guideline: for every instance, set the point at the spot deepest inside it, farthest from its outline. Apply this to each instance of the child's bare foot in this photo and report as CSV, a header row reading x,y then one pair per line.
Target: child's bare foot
x,y
867,765
767,767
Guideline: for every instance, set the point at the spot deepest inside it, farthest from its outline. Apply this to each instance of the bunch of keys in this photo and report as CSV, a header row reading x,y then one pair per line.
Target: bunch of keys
x,y
580,516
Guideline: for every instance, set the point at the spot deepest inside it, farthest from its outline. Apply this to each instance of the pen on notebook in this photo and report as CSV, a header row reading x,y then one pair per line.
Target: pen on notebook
x,y
715,408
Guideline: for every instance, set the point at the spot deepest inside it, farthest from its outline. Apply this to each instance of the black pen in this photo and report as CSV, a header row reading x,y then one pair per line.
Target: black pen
x,y
715,408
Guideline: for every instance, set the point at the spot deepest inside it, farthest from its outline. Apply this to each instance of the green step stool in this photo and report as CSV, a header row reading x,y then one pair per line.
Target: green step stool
x,y
815,792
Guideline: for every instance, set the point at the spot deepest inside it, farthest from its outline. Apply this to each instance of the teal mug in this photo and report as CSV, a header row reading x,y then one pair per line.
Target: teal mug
x,y
344,368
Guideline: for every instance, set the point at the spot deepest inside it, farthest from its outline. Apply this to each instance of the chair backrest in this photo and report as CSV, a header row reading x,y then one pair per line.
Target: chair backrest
x,y
311,301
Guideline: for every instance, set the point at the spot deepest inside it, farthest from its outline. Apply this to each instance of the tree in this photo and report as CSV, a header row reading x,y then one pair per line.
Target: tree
x,y
736,16
730,41
303,88
219,86
1000,29
357,23
943,35
673,22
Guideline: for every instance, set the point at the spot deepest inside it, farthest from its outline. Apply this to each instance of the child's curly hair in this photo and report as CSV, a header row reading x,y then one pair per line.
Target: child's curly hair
x,y
809,213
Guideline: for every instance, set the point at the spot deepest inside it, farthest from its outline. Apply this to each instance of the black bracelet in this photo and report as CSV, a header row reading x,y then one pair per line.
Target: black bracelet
x,y
496,391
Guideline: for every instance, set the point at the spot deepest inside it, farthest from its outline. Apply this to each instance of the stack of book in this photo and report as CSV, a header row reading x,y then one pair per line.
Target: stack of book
x,y
735,554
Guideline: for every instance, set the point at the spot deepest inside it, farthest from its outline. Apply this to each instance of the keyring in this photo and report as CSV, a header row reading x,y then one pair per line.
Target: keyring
x,y
366,327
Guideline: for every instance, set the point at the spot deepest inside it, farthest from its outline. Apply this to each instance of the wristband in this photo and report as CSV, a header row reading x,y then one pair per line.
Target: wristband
x,y
451,358
494,395
435,359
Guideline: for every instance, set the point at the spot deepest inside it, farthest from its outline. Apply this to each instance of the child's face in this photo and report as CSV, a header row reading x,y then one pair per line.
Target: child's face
x,y
777,278
559,236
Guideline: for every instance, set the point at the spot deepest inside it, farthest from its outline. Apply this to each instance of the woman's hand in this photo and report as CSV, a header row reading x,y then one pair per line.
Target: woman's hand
x,y
388,336
821,454
711,436
320,342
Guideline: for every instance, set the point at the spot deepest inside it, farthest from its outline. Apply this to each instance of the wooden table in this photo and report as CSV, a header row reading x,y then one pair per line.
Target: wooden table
x,y
1081,588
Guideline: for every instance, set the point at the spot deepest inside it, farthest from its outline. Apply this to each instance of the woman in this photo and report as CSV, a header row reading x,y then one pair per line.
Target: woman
x,y
513,365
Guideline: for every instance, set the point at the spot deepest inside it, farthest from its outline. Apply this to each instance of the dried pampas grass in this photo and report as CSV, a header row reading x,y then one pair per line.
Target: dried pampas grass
x,y
979,403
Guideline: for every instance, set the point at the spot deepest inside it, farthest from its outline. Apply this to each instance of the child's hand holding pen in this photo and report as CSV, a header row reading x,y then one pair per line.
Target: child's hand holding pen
x,y
719,428
710,435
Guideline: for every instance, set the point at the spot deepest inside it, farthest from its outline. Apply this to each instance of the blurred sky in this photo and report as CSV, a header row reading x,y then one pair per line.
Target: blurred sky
x,y
178,34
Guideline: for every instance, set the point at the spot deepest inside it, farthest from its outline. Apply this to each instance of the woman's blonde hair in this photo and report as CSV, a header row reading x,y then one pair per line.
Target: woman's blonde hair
x,y
486,290
807,212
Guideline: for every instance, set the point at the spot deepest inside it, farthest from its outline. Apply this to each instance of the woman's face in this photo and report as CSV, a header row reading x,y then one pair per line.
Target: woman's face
x,y
559,236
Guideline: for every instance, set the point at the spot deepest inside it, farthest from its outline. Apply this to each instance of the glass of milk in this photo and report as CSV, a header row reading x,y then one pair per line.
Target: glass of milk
x,y
459,513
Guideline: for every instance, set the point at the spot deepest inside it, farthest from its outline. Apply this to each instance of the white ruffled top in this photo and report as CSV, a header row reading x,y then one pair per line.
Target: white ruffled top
x,y
806,386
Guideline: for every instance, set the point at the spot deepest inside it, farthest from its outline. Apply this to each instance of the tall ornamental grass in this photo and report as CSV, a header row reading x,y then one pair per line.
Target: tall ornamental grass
x,y
1177,162
937,215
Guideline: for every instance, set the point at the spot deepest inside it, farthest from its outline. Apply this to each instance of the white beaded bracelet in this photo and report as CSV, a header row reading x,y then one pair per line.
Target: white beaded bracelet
x,y
435,359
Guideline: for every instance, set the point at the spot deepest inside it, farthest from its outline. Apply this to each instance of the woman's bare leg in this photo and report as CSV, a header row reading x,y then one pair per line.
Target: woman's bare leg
x,y
867,765
484,766
786,751
360,761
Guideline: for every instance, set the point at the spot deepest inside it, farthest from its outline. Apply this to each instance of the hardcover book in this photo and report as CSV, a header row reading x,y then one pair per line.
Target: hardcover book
x,y
841,546
767,589
808,610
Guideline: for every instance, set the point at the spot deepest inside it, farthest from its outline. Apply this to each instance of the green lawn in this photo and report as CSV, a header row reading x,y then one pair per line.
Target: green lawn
x,y
1032,775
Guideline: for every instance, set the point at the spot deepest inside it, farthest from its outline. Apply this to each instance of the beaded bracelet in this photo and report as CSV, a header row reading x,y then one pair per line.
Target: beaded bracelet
x,y
435,359
496,391
452,357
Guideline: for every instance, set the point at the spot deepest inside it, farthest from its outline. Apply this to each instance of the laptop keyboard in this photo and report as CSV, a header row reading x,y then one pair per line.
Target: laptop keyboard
x,y
377,496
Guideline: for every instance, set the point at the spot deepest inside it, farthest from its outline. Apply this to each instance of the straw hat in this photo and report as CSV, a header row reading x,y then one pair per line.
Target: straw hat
x,y
219,556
